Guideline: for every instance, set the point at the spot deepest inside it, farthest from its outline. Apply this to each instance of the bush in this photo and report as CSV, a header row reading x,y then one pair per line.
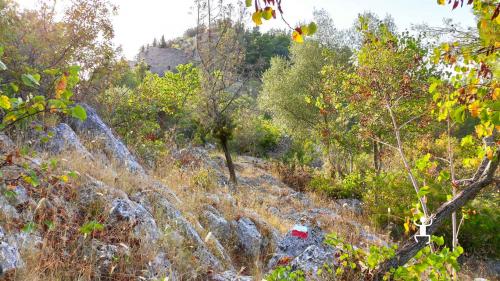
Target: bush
x,y
304,152
255,136
297,177
348,187
479,232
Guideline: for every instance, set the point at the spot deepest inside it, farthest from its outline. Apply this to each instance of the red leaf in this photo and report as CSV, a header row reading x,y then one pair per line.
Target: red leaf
x,y
455,4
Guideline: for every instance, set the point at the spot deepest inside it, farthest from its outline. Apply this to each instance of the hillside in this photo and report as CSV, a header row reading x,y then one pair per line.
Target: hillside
x,y
150,217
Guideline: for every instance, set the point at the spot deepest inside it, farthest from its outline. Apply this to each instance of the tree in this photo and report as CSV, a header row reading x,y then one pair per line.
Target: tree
x,y
287,84
38,40
475,91
221,54
155,42
261,47
163,43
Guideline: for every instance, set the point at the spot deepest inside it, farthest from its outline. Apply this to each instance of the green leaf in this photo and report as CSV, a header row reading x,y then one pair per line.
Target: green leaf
x,y
30,80
467,141
424,191
432,87
439,240
248,3
458,115
91,227
79,112
312,28
29,227
267,14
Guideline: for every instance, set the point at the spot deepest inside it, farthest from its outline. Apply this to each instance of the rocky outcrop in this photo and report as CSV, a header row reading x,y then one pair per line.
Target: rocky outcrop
x,y
6,144
308,255
249,238
62,139
10,258
217,224
135,215
93,129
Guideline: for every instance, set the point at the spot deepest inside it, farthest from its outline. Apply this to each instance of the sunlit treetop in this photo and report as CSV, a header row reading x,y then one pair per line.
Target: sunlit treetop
x,y
266,10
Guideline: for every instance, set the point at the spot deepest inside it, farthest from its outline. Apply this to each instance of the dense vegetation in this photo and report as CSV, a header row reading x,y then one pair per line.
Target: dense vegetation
x,y
399,120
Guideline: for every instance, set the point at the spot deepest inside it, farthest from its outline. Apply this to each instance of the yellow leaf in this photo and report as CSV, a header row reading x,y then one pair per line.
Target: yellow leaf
x,y
489,153
5,102
441,2
407,225
496,93
297,37
257,18
64,178
446,47
474,109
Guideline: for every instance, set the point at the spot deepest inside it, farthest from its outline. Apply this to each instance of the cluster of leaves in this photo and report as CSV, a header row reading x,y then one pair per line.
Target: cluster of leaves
x,y
285,273
20,99
266,9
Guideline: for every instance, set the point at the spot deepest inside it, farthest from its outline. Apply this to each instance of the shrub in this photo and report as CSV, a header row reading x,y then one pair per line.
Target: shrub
x,y
348,187
255,136
297,177
479,232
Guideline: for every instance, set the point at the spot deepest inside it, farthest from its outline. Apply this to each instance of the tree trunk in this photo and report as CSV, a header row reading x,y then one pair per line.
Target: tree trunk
x,y
376,157
229,160
410,248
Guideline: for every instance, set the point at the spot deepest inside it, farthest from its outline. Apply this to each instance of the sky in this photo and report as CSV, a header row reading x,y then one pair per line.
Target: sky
x,y
139,21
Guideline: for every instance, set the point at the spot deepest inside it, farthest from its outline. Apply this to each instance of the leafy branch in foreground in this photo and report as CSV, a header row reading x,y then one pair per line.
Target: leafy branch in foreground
x,y
20,99
266,9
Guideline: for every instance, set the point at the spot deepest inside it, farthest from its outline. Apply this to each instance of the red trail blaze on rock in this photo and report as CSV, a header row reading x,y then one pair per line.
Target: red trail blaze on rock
x,y
300,231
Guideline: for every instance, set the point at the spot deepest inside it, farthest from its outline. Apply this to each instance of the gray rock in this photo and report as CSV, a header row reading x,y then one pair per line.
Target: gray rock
x,y
64,139
6,144
159,268
105,255
184,227
218,225
313,258
354,205
7,210
10,259
135,214
291,246
18,196
93,128
273,210
230,276
249,237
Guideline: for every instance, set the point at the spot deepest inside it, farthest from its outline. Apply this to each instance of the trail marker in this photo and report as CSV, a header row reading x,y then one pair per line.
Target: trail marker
x,y
300,231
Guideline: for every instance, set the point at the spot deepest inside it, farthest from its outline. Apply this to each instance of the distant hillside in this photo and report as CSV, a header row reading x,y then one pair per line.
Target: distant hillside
x,y
161,60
